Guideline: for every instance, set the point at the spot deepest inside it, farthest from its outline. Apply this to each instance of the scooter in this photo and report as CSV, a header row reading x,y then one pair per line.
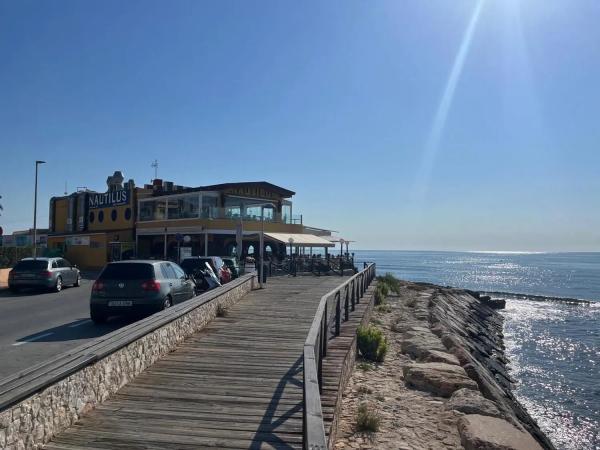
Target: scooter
x,y
204,280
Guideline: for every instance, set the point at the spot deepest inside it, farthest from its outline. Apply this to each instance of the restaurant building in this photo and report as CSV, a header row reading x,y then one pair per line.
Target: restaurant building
x,y
163,220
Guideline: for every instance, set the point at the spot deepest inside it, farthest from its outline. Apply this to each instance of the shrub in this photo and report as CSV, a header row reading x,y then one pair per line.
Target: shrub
x,y
364,390
372,344
364,366
391,282
385,308
367,420
381,292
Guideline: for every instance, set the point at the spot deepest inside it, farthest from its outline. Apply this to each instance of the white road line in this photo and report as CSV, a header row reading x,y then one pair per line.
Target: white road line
x,y
83,322
35,338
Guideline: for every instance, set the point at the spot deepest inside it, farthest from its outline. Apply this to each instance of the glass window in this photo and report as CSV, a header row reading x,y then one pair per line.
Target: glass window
x,y
152,210
128,214
101,216
113,215
168,271
286,213
179,273
184,207
92,216
54,265
127,271
31,264
210,205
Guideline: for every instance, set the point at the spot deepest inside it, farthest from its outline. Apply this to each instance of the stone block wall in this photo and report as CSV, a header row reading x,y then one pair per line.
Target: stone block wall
x,y
34,421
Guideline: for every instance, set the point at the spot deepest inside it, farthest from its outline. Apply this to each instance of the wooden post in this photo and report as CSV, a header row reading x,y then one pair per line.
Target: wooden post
x,y
338,313
347,304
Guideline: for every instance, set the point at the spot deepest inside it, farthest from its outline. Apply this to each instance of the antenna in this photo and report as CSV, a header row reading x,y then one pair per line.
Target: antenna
x,y
155,165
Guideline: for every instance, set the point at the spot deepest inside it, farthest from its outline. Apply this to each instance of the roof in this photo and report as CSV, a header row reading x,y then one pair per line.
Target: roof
x,y
285,193
300,239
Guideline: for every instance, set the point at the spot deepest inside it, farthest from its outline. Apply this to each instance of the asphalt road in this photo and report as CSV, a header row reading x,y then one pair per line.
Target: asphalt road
x,y
35,325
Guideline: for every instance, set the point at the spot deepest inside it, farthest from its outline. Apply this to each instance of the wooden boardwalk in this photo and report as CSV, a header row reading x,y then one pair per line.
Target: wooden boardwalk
x,y
235,384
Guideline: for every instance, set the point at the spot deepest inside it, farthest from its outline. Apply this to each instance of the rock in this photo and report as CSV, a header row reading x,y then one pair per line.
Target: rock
x,y
469,401
438,378
419,341
490,433
495,303
443,357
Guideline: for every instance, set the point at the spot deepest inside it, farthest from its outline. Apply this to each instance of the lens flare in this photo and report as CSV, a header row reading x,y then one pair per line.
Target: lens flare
x,y
441,115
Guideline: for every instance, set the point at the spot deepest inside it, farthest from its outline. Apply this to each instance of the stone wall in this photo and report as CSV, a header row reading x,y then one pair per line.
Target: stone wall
x,y
33,421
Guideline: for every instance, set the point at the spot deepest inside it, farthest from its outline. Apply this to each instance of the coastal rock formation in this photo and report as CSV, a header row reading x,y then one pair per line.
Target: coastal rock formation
x,y
445,382
490,433
469,401
438,378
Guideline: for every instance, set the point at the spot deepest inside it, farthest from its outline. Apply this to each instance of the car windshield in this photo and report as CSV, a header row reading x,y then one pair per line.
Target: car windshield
x,y
128,271
31,264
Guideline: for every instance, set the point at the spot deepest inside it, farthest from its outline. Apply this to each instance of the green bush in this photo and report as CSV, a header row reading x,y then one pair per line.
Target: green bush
x,y
367,420
390,281
372,344
381,292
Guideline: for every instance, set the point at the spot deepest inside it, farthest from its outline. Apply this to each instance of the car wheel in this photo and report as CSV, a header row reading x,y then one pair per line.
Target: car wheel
x,y
167,303
97,317
58,286
78,281
14,289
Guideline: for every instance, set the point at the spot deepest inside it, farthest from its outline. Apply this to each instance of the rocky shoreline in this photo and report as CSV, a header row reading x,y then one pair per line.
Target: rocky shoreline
x,y
445,382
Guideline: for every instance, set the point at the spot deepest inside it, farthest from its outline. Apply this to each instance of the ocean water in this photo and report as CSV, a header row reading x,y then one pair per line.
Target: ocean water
x,y
553,347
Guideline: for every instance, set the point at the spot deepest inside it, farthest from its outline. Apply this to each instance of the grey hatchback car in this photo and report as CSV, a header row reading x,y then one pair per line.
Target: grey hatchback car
x,y
138,287
46,273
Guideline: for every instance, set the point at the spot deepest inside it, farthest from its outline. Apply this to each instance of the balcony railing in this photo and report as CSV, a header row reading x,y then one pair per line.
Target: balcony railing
x,y
215,213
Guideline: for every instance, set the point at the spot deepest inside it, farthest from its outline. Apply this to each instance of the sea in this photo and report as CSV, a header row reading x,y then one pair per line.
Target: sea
x,y
552,342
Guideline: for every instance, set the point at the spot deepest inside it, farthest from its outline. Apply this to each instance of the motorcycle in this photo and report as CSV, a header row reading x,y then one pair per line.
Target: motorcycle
x,y
204,280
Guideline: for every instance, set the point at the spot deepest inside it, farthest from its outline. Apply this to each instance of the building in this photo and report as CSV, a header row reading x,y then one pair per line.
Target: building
x,y
167,221
90,228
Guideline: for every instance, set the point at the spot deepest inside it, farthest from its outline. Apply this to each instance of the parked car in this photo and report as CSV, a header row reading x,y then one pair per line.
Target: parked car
x,y
232,265
46,273
216,264
138,286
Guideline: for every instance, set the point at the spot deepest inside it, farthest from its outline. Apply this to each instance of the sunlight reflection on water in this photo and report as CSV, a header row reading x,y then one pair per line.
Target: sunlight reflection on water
x,y
553,347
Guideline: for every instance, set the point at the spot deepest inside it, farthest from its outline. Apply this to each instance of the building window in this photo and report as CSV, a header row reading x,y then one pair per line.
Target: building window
x,y
101,216
152,210
210,205
128,214
92,216
186,207
113,215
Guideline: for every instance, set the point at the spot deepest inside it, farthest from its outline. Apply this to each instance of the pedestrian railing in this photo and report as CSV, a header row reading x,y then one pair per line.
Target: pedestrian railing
x,y
328,320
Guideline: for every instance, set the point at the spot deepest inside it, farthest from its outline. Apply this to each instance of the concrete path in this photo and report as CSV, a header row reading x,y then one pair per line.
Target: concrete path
x,y
236,384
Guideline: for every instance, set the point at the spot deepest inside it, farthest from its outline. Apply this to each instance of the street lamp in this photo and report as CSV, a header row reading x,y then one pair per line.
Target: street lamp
x,y
292,266
37,163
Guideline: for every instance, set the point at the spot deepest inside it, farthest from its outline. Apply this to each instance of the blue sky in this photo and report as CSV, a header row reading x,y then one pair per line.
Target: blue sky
x,y
336,100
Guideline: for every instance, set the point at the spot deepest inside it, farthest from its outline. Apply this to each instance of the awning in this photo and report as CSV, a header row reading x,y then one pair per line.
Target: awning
x,y
300,240
336,239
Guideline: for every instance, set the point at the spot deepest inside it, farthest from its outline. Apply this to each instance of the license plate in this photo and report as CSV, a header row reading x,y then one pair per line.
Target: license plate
x,y
120,303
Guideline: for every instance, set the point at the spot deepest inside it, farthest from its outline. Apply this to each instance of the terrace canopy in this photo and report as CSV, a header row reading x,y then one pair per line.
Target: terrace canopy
x,y
300,240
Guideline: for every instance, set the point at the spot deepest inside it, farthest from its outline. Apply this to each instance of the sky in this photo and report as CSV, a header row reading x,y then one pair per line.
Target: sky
x,y
437,125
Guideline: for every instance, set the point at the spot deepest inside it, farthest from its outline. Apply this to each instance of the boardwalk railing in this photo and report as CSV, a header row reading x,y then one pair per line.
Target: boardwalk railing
x,y
345,297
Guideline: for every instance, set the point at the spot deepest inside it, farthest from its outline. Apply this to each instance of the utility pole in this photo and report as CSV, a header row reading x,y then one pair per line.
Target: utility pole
x,y
155,166
37,163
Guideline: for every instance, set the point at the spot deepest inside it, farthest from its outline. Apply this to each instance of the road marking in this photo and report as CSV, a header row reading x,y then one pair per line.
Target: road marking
x,y
83,322
35,338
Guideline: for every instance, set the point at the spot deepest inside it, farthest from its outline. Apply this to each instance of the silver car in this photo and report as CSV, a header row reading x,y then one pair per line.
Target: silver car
x,y
46,273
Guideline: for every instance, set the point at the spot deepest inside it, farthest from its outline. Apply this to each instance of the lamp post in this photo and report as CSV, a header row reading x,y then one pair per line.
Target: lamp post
x,y
37,163
261,266
292,267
